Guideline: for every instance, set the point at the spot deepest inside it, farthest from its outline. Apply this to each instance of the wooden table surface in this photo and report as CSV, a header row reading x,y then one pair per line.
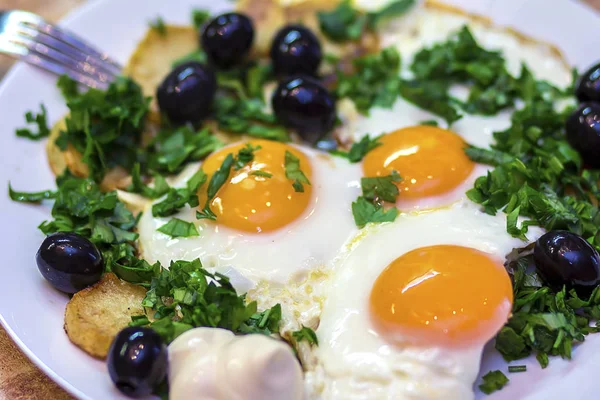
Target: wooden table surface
x,y
19,378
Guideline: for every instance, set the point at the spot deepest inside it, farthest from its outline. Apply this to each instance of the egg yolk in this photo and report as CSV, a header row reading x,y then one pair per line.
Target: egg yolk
x,y
430,160
443,295
258,197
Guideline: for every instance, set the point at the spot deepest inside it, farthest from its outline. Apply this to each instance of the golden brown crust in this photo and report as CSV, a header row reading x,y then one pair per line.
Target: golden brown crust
x,y
95,315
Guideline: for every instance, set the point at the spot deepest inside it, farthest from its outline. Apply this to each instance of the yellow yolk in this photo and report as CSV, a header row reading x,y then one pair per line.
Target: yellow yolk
x,y
252,202
430,160
446,295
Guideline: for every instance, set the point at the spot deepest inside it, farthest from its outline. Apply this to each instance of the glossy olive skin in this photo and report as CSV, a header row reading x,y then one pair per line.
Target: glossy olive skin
x,y
187,92
69,262
137,361
295,50
588,87
227,39
303,104
583,132
564,258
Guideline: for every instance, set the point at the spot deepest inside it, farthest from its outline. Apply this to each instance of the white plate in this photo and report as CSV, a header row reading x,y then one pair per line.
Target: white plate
x,y
32,312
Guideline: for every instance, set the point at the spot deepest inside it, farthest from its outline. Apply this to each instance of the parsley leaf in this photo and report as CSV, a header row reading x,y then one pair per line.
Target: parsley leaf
x,y
431,96
245,156
161,187
374,80
359,149
178,198
30,197
172,148
347,23
105,126
306,334
265,322
293,172
381,188
158,25
179,228
492,381
186,295
40,120
517,368
365,211
262,174
199,17
216,181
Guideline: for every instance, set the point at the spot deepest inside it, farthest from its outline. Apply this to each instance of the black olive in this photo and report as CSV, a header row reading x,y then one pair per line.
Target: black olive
x,y
69,262
227,39
588,87
187,93
295,50
564,258
137,361
303,104
583,132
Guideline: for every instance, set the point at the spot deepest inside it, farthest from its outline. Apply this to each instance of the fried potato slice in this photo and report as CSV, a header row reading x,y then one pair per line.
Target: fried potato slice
x,y
95,315
154,56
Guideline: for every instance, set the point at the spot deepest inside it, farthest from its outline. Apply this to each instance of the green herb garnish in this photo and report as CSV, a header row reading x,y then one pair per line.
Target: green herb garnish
x,y
492,381
293,172
178,198
31,197
179,228
517,368
216,181
306,334
359,149
159,26
40,120
370,206
199,17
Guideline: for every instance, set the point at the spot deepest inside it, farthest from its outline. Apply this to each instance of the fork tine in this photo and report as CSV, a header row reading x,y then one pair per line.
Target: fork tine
x,y
64,51
39,59
37,23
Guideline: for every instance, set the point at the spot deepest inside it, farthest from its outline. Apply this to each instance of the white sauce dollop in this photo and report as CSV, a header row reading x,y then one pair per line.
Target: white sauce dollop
x,y
214,364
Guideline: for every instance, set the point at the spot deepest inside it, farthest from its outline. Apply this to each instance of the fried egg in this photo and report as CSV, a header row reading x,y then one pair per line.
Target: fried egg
x,y
265,230
411,306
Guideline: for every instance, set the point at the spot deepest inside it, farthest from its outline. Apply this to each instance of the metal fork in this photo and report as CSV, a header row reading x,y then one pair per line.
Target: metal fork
x,y
28,37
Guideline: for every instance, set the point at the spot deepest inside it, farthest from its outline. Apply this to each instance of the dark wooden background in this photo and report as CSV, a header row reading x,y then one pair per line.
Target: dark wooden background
x,y
19,378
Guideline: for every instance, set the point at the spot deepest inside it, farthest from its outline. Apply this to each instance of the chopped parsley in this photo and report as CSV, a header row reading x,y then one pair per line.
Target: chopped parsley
x,y
492,381
293,172
186,296
359,149
30,197
160,188
347,23
40,120
544,322
179,228
262,174
431,96
245,156
105,126
173,148
178,198
374,81
517,368
199,17
216,181
306,334
158,25
370,206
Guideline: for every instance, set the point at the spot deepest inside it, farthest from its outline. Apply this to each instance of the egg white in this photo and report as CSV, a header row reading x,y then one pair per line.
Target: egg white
x,y
353,360
310,242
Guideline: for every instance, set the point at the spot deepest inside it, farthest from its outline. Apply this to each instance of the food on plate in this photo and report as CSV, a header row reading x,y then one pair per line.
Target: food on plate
x,y
434,294
583,132
95,315
70,262
137,361
563,258
227,39
214,363
295,50
186,93
327,200
303,104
